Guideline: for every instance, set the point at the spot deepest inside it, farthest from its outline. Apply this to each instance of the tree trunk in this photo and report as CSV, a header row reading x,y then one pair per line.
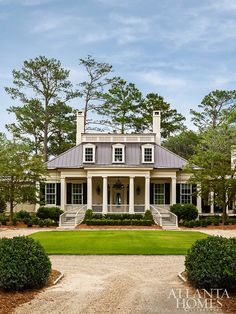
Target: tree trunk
x,y
224,216
45,142
11,211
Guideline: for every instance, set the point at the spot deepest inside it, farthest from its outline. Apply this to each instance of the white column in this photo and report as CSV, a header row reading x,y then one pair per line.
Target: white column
x,y
212,202
89,192
37,205
199,200
104,195
63,194
173,191
227,207
131,195
147,193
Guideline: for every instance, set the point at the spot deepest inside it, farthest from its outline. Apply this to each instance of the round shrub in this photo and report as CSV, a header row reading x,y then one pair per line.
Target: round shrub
x,y
22,215
52,213
185,211
211,263
23,264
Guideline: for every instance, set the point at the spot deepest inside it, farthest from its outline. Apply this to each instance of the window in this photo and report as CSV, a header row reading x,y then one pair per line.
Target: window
x,y
118,153
50,193
89,153
77,193
148,153
186,193
159,193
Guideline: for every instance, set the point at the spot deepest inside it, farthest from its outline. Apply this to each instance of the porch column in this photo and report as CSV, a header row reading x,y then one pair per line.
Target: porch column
x,y
199,200
104,195
227,207
147,193
212,203
173,190
63,194
37,205
131,195
89,192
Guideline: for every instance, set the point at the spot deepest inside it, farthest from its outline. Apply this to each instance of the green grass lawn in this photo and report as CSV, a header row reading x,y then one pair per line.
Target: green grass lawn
x,y
117,242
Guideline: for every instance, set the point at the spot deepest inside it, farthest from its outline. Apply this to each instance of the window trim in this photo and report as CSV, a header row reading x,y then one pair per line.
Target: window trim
x,y
188,194
55,193
72,194
84,150
114,146
154,193
143,153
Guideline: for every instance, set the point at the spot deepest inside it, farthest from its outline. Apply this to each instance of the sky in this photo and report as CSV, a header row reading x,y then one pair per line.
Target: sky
x,y
180,49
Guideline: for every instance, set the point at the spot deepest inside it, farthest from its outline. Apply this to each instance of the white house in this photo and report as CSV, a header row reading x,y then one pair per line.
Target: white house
x,y
118,173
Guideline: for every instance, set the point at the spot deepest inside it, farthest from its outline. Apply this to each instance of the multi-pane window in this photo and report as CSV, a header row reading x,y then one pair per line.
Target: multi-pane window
x,y
88,154
159,193
118,154
185,193
77,193
50,193
148,154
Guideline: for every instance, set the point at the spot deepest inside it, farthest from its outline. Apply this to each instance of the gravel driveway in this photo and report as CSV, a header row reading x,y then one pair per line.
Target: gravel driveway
x,y
111,284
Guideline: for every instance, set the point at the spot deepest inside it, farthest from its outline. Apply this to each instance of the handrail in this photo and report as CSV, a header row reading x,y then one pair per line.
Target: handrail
x,y
78,212
156,215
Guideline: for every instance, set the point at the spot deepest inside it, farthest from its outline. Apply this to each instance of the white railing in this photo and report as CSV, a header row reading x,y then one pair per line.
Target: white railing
x,y
164,216
72,212
79,216
156,215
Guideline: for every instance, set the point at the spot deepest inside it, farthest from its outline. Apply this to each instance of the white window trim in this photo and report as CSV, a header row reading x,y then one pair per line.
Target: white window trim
x,y
154,194
113,153
143,150
84,148
188,194
45,192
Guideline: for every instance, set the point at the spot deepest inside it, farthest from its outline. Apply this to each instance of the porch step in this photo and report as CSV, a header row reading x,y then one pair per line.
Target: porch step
x,y
72,217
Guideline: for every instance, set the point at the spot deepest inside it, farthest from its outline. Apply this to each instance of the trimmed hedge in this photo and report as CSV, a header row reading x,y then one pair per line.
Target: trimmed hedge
x,y
211,263
52,213
184,211
92,219
23,264
119,222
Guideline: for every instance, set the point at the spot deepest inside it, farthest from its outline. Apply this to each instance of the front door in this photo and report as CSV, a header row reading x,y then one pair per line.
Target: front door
x,y
118,201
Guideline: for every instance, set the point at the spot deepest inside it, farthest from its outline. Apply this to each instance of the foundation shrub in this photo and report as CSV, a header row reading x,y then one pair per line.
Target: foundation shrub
x,y
211,263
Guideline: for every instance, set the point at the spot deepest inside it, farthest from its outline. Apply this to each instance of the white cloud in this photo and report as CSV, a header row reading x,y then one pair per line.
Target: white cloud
x,y
157,78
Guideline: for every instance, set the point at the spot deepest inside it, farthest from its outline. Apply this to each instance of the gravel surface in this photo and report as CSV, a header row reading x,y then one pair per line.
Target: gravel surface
x,y
111,284
10,233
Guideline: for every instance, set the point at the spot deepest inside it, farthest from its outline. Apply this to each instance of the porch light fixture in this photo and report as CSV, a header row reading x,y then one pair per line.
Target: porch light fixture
x,y
118,185
98,190
138,190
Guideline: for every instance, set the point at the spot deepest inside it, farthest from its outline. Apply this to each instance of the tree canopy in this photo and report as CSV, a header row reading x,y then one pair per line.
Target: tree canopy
x,y
211,165
215,109
42,86
20,170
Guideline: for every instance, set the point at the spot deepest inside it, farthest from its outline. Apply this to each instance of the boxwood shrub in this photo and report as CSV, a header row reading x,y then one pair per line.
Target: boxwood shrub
x,y
185,211
52,213
23,264
211,263
119,222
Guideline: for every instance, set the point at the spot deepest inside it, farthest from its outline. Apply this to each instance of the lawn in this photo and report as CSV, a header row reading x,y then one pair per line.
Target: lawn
x,y
117,242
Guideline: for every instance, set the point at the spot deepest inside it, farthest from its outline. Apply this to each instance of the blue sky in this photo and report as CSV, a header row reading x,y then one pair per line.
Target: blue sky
x,y
181,49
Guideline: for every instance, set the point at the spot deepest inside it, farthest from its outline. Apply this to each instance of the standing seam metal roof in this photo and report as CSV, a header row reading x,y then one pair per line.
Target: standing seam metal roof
x,y
73,158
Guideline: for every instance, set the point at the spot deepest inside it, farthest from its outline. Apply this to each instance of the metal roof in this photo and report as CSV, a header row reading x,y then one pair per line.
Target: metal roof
x,y
73,158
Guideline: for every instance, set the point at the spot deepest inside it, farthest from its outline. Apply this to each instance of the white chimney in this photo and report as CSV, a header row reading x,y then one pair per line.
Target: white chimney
x,y
79,126
156,126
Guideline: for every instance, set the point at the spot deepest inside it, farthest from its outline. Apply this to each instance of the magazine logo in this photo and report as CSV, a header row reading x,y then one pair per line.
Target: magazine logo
x,y
199,300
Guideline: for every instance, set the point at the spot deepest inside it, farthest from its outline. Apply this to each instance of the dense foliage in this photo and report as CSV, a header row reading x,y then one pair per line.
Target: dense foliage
x,y
52,213
23,264
211,263
145,219
184,211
